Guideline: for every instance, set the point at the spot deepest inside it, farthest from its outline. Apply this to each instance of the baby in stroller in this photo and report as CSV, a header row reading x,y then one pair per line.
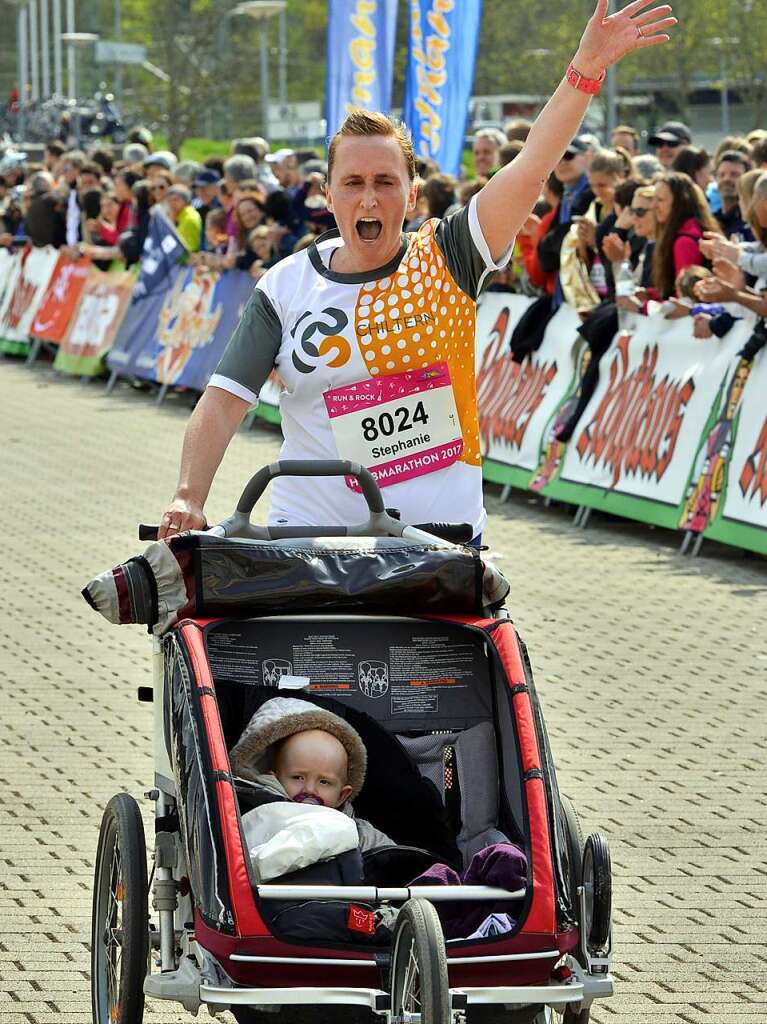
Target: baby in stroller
x,y
306,765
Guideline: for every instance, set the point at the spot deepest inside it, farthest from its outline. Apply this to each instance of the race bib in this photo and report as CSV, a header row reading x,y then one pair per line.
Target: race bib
x,y
398,427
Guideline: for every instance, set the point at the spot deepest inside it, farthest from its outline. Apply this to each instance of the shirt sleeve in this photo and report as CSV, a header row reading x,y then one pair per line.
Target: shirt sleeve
x,y
252,350
686,253
466,252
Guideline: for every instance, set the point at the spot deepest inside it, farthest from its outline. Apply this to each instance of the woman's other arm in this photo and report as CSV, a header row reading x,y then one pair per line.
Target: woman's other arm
x,y
505,202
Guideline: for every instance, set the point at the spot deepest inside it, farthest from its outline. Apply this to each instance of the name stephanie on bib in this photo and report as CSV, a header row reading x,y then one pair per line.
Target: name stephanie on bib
x,y
400,446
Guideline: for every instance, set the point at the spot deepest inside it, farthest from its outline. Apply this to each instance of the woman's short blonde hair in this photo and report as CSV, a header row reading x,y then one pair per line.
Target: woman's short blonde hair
x,y
363,123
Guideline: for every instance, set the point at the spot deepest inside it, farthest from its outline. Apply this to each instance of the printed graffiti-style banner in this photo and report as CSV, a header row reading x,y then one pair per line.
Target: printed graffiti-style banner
x,y
23,296
739,487
9,268
60,299
361,36
639,436
139,329
194,323
440,73
94,326
517,400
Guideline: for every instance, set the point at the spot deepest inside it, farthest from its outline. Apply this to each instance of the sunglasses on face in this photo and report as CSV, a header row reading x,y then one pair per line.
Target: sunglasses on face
x,y
569,156
639,211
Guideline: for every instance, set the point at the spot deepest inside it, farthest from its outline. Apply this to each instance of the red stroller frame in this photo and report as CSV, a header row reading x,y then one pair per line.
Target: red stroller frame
x,y
213,942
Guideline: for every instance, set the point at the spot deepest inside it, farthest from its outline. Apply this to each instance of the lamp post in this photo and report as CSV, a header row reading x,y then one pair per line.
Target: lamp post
x,y
75,41
262,11
58,85
34,51
23,63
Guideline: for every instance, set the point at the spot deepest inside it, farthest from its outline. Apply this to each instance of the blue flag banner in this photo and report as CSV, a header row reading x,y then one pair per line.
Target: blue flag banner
x,y
195,321
162,251
440,73
360,57
138,330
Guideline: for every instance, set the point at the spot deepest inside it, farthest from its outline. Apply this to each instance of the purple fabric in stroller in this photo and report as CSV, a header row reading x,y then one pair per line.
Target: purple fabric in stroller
x,y
503,865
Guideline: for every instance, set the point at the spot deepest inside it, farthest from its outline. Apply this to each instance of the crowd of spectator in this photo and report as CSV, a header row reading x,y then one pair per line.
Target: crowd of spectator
x,y
247,210
615,229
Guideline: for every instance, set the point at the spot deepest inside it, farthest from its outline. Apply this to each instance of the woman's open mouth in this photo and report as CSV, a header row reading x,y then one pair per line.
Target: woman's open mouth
x,y
369,228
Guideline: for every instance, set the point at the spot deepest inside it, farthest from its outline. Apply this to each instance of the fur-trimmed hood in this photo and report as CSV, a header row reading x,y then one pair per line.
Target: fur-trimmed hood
x,y
280,717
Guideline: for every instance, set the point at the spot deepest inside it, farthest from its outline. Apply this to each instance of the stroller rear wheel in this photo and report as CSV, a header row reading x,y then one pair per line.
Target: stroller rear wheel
x,y
120,923
419,966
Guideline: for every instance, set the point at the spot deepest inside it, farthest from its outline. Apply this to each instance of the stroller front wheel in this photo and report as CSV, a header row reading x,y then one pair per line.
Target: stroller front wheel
x,y
120,922
419,980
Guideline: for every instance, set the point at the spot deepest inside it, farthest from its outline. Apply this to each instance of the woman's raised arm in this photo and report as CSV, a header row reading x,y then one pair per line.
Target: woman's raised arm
x,y
505,202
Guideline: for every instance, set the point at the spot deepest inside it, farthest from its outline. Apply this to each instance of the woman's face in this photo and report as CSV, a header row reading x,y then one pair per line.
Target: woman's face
x,y
249,213
664,200
644,216
158,187
703,176
109,208
603,186
262,247
370,193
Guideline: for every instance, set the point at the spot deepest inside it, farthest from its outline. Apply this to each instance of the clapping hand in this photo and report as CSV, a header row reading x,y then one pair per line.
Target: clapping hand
x,y
712,289
728,272
615,249
609,37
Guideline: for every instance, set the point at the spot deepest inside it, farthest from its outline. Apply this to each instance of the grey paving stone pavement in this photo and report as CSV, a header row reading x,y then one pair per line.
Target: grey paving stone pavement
x,y
651,669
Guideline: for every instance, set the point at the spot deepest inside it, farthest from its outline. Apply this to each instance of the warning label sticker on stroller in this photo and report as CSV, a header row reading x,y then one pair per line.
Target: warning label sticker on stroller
x,y
417,674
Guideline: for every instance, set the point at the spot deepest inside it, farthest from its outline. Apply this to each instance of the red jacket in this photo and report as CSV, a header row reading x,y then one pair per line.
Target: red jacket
x,y
529,246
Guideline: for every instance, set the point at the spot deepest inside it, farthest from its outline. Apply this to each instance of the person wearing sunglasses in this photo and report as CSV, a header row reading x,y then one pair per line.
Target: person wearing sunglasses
x,y
576,199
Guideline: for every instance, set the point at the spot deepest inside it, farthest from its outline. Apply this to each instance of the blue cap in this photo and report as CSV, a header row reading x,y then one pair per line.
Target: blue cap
x,y
209,177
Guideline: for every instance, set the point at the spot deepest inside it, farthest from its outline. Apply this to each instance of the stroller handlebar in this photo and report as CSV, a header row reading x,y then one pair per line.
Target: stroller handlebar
x,y
380,523
305,467
453,533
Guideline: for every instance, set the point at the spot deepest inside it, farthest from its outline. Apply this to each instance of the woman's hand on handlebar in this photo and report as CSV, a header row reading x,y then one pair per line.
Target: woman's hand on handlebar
x,y
182,514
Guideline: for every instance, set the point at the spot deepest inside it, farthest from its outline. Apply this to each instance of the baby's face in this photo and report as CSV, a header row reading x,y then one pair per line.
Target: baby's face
x,y
312,767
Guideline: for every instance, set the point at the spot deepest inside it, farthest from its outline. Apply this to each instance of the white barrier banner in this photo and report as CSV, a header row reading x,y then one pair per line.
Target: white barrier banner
x,y
9,268
641,431
746,500
24,293
517,400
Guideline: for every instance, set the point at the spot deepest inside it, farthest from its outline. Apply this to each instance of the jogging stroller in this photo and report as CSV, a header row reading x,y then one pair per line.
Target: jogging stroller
x,y
403,634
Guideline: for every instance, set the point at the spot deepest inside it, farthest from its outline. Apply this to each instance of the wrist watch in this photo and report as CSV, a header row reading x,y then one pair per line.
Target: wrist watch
x,y
592,86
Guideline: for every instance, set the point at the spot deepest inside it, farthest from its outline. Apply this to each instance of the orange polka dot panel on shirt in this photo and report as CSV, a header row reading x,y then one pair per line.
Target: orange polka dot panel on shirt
x,y
418,316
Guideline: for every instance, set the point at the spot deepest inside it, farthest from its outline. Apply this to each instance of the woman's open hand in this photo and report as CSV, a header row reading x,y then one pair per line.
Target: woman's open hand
x,y
609,37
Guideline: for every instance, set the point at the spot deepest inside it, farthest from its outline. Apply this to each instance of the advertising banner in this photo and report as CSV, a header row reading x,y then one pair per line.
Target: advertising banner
x,y
193,325
23,296
360,57
730,479
440,73
60,300
518,400
638,438
137,332
9,268
96,321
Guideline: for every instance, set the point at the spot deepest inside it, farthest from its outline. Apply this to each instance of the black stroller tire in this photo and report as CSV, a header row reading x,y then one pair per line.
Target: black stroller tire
x,y
575,846
597,869
120,921
419,981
